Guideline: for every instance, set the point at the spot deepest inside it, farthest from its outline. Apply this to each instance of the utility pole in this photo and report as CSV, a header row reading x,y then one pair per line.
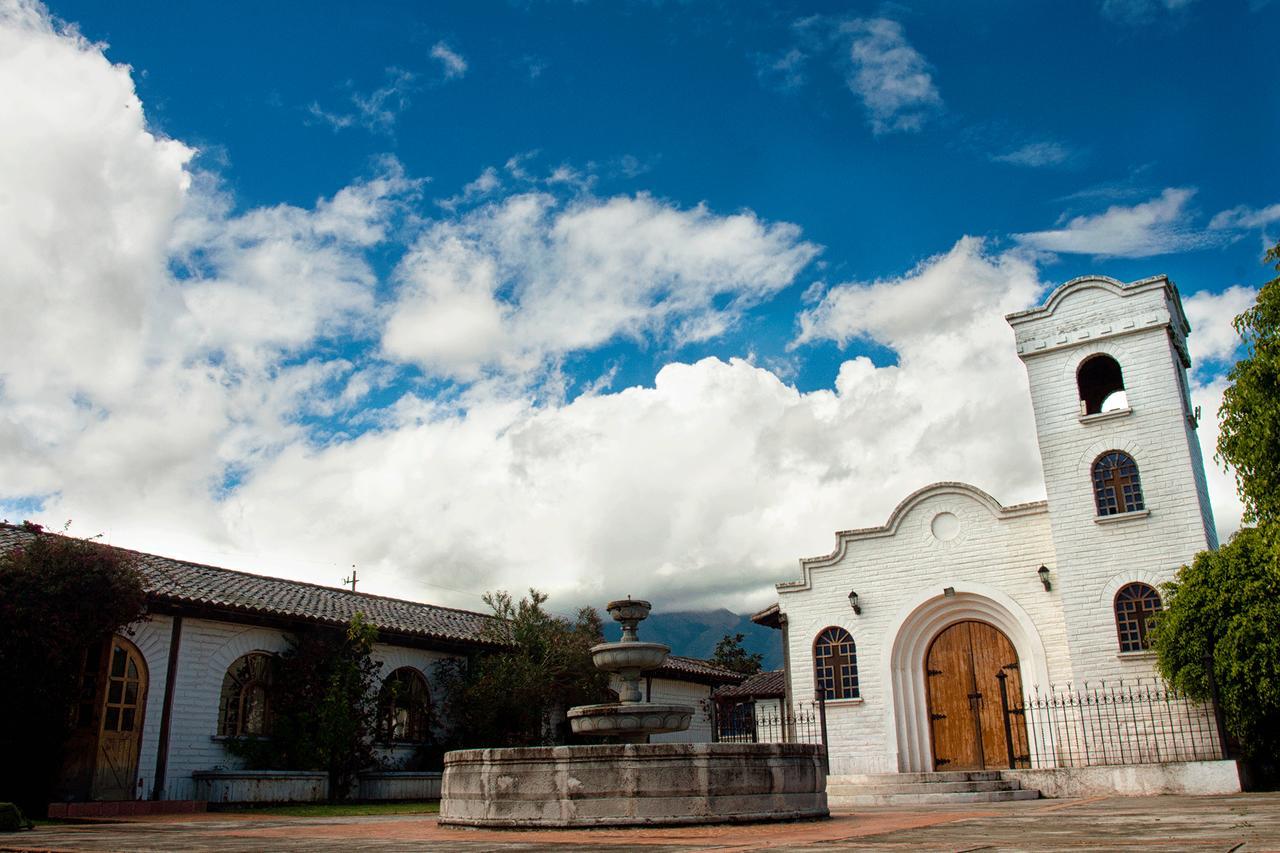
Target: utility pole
x,y
351,580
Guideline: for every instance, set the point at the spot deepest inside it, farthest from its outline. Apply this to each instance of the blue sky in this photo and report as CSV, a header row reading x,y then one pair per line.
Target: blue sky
x,y
571,294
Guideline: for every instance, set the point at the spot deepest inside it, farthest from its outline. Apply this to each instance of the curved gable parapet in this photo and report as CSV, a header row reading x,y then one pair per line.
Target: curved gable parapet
x,y
1054,324
844,538
1095,282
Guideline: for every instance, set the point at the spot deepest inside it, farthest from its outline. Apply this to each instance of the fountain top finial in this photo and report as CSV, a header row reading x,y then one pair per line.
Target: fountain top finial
x,y
630,613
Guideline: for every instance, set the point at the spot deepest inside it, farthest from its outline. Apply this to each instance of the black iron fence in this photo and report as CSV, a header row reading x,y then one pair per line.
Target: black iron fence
x,y
770,721
1139,722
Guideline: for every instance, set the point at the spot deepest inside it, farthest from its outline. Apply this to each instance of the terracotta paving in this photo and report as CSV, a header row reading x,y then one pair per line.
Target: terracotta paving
x,y
1245,822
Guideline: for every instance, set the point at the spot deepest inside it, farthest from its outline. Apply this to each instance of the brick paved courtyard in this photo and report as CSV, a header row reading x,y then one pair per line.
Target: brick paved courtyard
x,y
1244,822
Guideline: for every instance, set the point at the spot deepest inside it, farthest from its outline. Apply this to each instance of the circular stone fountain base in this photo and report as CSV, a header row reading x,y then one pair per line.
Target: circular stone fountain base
x,y
633,785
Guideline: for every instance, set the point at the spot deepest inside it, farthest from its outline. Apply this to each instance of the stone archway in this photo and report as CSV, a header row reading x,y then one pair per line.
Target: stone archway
x,y
915,628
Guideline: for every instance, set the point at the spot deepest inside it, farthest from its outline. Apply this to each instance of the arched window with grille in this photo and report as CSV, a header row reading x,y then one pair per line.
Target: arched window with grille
x,y
245,704
1135,604
404,707
835,664
1116,487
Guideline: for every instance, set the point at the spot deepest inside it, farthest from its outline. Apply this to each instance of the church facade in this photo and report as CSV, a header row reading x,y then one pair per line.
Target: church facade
x,y
912,630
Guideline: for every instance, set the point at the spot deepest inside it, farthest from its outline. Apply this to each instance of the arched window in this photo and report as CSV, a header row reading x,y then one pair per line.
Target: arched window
x,y
835,664
1101,385
1135,604
244,707
404,707
1116,487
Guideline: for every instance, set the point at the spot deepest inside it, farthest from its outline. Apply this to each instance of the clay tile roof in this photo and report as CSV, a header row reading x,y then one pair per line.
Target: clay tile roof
x,y
181,582
693,669
763,685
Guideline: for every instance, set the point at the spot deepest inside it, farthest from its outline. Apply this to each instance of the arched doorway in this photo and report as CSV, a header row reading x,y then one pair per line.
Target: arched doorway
x,y
102,752
974,688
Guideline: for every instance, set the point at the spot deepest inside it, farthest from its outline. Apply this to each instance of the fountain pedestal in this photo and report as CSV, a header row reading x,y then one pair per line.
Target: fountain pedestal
x,y
635,782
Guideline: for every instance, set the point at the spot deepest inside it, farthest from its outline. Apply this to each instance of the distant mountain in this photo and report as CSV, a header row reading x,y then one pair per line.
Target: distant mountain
x,y
694,634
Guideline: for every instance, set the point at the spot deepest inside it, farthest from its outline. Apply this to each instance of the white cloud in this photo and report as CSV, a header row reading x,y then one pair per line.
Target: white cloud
x,y
720,471
1036,155
376,111
1155,227
890,76
1245,218
450,60
492,289
1213,339
167,409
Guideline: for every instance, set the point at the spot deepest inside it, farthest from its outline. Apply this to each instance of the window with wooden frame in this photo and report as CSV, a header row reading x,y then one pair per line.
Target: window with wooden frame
x,y
1116,487
1135,604
835,664
245,705
404,707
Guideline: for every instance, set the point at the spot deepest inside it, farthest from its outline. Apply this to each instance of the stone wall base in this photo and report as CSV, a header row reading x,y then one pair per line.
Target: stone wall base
x,y
633,785
1133,780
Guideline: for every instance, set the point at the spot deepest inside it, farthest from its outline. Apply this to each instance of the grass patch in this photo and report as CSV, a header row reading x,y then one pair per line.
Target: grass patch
x,y
339,809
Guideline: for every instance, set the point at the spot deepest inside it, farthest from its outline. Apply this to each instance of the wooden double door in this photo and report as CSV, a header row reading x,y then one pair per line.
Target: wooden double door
x,y
975,725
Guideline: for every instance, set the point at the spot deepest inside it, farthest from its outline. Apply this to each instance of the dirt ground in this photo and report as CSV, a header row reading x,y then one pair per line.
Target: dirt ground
x,y
1243,822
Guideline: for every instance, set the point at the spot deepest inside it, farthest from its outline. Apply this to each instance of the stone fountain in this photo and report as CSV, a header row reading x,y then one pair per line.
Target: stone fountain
x,y
629,719
632,782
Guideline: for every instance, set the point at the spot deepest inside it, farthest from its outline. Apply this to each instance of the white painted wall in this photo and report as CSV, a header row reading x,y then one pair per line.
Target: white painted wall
x,y
207,649
894,573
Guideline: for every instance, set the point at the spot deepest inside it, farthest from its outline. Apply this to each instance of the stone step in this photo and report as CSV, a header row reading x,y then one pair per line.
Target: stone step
x,y
841,790
958,798
914,778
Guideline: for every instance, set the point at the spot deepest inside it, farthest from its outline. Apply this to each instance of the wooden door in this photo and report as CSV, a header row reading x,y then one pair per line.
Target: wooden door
x,y
120,732
967,718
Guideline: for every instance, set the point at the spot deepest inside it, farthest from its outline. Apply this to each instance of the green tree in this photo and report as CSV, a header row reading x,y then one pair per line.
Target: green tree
x,y
1222,616
323,707
58,596
518,694
1222,613
1249,419
730,654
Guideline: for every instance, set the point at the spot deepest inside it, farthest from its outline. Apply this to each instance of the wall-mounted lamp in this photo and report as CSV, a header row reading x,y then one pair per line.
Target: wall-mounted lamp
x,y
1043,572
853,602
948,592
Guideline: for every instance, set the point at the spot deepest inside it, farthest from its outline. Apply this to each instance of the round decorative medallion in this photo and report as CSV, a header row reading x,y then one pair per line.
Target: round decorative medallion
x,y
945,527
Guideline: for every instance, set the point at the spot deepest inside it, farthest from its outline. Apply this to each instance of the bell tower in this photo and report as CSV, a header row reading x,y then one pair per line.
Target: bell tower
x,y
1123,468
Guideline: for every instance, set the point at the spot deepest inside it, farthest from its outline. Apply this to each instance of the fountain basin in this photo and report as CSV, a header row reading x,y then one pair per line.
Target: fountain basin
x,y
633,785
619,657
629,720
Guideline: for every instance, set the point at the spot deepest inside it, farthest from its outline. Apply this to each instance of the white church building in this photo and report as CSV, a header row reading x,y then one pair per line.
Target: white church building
x,y
910,629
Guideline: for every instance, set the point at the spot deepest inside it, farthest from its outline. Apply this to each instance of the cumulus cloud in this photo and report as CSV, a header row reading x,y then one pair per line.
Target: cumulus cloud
x,y
1214,342
451,62
1155,227
491,290
890,76
705,487
163,354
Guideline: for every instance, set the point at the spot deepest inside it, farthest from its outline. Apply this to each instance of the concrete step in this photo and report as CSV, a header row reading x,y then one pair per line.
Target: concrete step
x,y
914,778
841,790
861,800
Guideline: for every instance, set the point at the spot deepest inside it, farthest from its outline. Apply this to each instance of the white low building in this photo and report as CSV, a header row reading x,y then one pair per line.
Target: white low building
x,y
944,638
160,705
